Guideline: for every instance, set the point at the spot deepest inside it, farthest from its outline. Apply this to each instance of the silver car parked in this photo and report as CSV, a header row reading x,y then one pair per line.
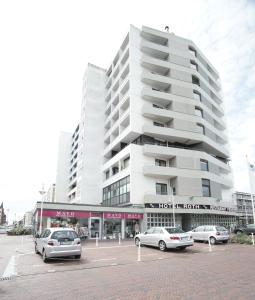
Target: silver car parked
x,y
58,242
210,232
164,238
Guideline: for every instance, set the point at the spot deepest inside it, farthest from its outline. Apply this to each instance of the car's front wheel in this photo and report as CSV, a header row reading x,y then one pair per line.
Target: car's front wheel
x,y
225,242
137,241
162,246
212,240
44,256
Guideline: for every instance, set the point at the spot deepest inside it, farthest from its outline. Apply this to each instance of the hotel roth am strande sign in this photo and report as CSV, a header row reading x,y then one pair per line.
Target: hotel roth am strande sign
x,y
189,206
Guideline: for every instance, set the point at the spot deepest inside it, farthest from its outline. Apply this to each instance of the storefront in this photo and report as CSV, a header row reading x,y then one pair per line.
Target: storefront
x,y
91,222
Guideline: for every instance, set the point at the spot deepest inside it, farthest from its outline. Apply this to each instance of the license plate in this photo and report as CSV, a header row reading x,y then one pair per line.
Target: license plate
x,y
65,243
184,238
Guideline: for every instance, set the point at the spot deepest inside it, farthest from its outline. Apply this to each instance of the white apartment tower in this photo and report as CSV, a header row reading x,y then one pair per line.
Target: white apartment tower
x,y
152,134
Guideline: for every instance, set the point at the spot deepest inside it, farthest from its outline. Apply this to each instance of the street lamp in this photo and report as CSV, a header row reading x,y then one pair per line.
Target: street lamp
x,y
42,192
171,200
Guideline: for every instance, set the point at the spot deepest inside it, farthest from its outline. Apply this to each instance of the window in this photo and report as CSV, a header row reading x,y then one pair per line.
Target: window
x,y
206,188
126,162
160,162
115,170
158,124
161,188
201,128
204,165
107,174
158,106
117,193
195,80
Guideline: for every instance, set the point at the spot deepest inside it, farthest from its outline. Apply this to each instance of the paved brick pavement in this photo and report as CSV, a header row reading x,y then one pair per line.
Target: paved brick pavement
x,y
111,271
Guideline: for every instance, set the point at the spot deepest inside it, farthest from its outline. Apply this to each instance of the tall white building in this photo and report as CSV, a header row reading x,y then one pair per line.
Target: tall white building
x,y
152,133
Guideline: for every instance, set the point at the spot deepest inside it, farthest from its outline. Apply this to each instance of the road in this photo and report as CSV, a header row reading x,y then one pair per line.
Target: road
x,y
111,271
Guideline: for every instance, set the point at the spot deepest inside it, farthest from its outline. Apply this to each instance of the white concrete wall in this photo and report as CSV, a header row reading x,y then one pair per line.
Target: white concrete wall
x,y
92,133
62,178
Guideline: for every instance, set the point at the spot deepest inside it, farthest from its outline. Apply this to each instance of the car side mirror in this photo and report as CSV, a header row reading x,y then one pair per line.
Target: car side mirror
x,y
145,232
37,235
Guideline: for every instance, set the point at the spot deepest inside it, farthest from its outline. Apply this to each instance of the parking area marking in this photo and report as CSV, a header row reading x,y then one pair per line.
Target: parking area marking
x,y
10,270
103,259
109,247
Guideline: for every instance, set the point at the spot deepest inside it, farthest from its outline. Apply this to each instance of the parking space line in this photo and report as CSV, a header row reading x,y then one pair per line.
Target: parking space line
x,y
103,259
109,247
10,270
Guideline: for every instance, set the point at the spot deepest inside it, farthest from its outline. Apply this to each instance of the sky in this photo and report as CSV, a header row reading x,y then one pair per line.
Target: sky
x,y
45,47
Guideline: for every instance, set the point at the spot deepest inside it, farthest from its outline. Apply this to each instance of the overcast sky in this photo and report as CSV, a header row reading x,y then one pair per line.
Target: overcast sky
x,y
46,45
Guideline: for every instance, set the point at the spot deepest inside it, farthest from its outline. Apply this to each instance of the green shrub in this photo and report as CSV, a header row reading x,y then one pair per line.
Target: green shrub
x,y
241,239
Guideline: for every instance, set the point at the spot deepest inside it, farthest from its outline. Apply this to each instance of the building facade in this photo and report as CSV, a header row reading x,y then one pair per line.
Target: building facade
x,y
3,218
244,207
152,134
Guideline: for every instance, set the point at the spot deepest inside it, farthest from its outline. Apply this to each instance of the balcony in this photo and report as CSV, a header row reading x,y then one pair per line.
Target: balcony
x,y
156,81
155,65
172,172
186,138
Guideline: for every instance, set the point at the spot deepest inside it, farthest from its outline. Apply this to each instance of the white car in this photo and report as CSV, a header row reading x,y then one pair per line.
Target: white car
x,y
164,238
213,233
58,242
3,229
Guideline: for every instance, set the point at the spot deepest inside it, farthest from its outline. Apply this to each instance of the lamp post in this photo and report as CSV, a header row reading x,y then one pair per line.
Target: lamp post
x,y
171,199
42,192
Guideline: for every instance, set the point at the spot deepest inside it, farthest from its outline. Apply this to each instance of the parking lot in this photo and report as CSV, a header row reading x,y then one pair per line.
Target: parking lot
x,y
112,271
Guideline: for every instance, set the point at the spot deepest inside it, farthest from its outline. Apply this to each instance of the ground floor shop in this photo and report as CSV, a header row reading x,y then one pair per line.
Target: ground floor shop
x,y
118,222
91,223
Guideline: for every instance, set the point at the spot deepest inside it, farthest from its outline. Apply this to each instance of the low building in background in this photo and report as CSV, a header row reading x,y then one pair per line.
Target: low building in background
x,y
28,219
244,207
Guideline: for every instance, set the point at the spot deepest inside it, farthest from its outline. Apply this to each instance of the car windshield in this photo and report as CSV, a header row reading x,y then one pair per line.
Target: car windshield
x,y
58,235
174,230
221,228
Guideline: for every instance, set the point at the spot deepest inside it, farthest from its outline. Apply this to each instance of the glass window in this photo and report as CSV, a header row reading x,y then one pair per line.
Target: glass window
x,y
161,188
158,124
149,231
174,230
206,188
160,162
195,80
204,165
126,162
65,234
199,229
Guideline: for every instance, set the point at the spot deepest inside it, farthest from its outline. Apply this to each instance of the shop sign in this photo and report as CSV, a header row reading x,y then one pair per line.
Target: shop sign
x,y
133,216
189,206
96,215
112,215
64,214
